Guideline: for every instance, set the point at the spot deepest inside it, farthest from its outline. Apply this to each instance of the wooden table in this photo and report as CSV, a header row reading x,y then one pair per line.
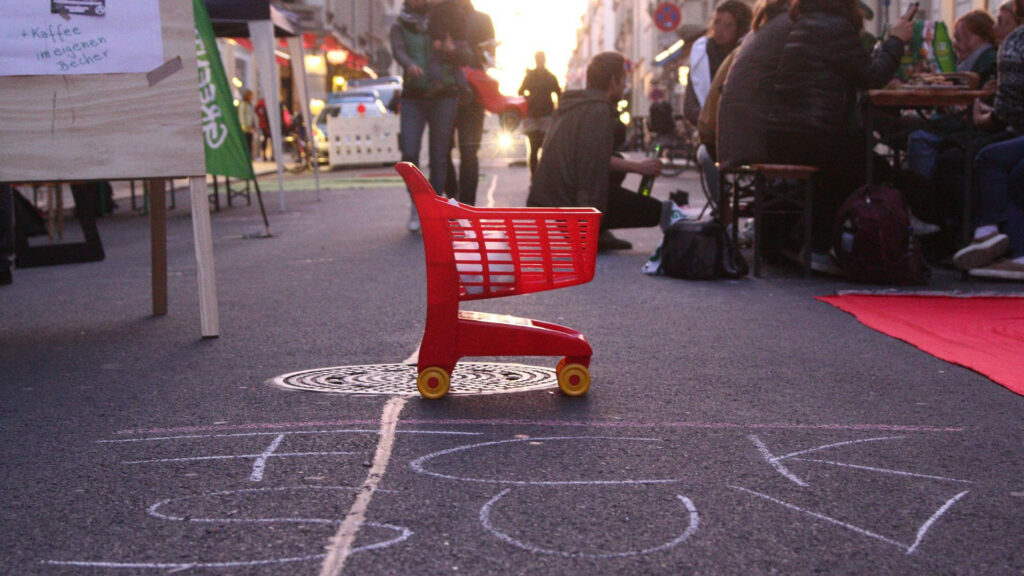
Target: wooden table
x,y
929,98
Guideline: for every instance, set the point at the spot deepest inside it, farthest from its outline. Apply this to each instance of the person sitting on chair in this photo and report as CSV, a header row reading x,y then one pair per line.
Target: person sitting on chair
x,y
579,160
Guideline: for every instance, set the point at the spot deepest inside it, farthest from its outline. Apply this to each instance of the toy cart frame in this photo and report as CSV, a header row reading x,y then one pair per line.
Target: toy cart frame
x,y
475,253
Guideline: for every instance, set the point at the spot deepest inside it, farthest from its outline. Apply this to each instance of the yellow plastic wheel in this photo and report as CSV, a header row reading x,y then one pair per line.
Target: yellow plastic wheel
x,y
573,379
433,382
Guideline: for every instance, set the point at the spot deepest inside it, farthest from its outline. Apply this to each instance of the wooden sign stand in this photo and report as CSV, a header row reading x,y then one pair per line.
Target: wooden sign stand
x,y
121,127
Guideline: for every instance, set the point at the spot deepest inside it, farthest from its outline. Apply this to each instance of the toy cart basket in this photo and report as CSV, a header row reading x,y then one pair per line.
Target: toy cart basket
x,y
475,253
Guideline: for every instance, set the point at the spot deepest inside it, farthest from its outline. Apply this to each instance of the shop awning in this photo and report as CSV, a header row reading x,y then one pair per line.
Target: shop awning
x,y
230,18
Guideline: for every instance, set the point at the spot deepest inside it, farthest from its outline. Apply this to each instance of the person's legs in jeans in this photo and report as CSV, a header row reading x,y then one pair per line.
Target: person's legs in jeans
x,y
993,165
922,152
441,120
470,124
1014,226
1000,168
412,122
451,183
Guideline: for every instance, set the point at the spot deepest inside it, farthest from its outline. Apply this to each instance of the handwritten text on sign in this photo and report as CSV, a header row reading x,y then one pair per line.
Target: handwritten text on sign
x,y
34,40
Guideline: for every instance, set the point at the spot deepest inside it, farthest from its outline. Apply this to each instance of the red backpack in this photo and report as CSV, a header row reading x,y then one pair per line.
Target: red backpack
x,y
874,241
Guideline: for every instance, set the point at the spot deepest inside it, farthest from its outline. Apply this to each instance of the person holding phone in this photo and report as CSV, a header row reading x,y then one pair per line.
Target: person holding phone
x,y
813,118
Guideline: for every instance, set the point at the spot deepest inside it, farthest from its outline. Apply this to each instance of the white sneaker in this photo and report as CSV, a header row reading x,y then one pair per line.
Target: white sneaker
x,y
414,220
1000,270
981,251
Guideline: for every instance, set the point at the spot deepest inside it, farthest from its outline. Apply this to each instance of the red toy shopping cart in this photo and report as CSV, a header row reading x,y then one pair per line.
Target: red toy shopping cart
x,y
476,253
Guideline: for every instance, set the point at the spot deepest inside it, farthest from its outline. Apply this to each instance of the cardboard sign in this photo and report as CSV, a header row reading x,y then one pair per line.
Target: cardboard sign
x,y
79,37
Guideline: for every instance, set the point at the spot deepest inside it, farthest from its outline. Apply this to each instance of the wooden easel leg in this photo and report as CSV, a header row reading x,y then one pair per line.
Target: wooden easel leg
x,y
158,243
208,315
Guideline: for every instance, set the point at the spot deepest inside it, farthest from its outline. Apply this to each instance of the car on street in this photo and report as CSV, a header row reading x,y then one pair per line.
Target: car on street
x,y
348,104
389,88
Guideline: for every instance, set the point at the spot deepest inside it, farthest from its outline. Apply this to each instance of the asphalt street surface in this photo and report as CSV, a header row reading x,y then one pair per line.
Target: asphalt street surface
x,y
732,427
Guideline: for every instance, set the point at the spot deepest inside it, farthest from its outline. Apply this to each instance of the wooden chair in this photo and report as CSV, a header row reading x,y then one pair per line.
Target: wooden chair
x,y
783,189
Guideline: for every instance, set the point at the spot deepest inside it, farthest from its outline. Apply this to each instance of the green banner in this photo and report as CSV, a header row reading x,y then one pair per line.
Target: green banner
x,y
226,153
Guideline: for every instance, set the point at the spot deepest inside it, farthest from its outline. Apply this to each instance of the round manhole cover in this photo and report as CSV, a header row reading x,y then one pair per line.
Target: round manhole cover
x,y
400,379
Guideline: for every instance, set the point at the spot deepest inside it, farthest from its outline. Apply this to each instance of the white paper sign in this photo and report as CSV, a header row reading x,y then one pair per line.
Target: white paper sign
x,y
47,37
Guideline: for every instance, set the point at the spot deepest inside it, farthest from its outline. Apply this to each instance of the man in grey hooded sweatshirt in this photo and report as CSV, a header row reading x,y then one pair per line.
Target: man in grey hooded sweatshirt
x,y
578,165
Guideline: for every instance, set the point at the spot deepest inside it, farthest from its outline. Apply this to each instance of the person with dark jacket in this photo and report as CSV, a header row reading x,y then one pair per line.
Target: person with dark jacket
x,y
578,162
745,103
474,51
423,104
539,85
814,118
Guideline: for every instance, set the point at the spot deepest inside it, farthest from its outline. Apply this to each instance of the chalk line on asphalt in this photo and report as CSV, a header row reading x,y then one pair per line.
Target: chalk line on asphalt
x,y
490,191
691,529
341,544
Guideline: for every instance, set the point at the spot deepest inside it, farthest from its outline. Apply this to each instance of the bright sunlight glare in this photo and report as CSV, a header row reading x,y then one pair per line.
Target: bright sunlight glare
x,y
524,27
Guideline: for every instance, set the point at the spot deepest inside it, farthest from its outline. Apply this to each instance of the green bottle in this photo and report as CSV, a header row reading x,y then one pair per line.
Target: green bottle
x,y
911,56
646,183
942,47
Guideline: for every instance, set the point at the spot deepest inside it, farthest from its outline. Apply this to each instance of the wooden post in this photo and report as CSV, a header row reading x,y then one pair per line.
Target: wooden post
x,y
158,243
208,315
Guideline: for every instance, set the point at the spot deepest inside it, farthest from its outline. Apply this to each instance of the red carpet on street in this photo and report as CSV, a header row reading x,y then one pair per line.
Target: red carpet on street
x,y
983,333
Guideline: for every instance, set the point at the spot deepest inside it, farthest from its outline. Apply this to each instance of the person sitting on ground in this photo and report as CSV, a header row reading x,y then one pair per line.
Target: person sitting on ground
x,y
1000,166
578,159
814,121
729,23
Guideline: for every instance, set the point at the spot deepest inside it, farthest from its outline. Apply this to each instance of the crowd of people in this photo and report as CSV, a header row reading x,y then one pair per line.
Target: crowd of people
x,y
782,84
790,94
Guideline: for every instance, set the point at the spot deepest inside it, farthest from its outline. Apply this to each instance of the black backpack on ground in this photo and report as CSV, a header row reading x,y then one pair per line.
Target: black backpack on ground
x,y
700,251
874,241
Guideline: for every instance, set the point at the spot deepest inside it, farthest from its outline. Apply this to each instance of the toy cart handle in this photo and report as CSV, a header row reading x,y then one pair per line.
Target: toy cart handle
x,y
420,186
